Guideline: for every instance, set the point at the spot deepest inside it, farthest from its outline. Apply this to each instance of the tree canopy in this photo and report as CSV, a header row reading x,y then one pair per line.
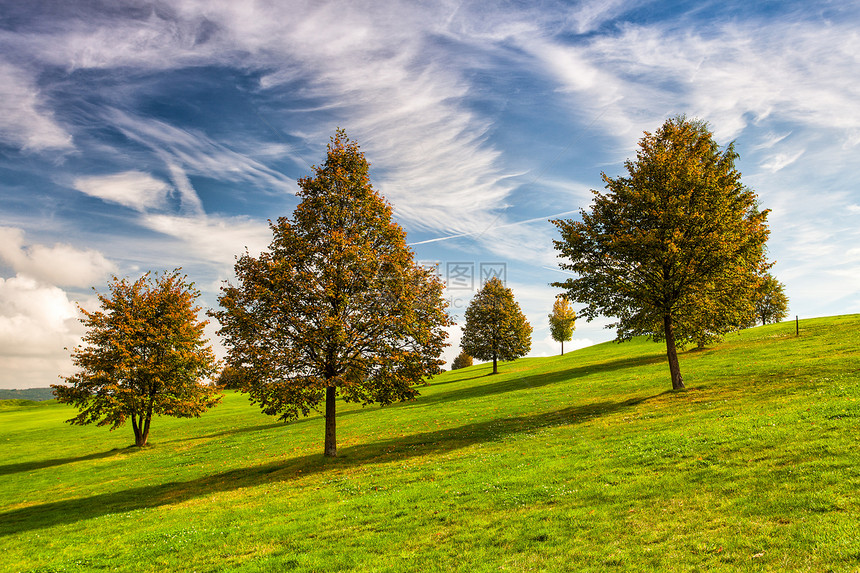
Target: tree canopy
x,y
672,249
771,302
336,304
145,355
562,321
496,329
462,360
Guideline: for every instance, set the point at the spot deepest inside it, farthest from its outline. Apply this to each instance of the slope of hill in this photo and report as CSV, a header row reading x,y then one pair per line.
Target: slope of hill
x,y
585,462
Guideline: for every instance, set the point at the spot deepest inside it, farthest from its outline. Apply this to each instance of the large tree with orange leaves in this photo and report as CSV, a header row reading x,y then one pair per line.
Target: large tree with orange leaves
x,y
674,249
336,305
145,355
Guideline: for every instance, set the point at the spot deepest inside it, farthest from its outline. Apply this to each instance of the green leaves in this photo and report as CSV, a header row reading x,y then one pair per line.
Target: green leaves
x,y
496,328
679,237
771,302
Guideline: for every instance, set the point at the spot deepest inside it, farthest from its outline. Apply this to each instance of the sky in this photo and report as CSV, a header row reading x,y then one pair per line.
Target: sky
x,y
138,136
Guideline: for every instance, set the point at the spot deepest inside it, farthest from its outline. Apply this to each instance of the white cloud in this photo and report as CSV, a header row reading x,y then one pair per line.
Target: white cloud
x,y
134,189
193,152
770,140
37,319
24,119
60,264
101,40
190,202
33,316
591,14
37,323
781,160
213,239
730,75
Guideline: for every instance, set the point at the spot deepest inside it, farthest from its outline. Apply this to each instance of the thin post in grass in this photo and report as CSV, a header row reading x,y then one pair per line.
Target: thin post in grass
x,y
796,325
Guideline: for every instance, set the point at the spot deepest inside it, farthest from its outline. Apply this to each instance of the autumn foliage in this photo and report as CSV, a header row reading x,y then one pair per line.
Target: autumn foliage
x,y
145,355
562,321
672,250
462,360
496,329
336,305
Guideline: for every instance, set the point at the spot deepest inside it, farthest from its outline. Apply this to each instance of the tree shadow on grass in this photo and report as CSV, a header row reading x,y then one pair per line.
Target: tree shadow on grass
x,y
233,431
431,383
475,391
8,469
396,449
535,380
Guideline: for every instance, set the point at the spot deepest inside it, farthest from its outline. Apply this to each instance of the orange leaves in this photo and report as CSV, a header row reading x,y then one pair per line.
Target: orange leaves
x,y
336,300
143,348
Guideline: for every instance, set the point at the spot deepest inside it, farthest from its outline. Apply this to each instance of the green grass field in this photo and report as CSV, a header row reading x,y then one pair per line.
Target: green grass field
x,y
578,463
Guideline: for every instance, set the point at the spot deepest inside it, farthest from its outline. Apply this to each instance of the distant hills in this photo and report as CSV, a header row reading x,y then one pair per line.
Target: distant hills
x,y
35,394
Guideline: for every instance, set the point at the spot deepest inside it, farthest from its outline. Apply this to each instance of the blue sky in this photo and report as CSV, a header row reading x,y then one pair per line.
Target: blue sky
x,y
145,136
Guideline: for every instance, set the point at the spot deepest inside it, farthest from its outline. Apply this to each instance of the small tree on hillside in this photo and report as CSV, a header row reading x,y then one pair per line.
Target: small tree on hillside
x,y
337,303
145,355
230,379
676,243
562,321
771,302
496,329
462,360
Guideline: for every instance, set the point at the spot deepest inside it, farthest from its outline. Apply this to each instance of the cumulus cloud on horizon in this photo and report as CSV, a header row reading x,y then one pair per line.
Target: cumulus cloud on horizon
x,y
59,264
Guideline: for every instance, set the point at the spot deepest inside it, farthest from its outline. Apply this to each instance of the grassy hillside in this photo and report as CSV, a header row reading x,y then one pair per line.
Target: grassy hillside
x,y
577,463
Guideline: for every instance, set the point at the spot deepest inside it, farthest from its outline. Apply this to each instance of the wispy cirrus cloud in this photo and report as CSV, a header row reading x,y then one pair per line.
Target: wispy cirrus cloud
x,y
25,119
212,239
729,74
186,151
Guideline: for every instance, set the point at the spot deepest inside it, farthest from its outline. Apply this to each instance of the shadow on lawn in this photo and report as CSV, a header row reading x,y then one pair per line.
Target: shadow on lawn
x,y
41,464
233,431
441,441
507,385
535,380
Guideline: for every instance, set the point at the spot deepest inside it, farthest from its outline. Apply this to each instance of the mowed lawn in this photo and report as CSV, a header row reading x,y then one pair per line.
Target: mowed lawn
x,y
586,462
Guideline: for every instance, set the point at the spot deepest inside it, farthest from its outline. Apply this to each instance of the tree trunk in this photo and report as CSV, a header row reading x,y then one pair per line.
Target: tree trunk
x,y
136,427
562,347
672,354
495,368
330,426
144,434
